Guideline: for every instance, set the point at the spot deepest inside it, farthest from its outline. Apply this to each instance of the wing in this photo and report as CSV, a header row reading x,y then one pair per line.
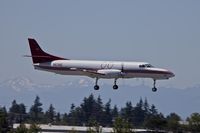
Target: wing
x,y
102,73
89,73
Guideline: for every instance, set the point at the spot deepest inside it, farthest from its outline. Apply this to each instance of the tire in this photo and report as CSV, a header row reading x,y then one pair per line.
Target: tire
x,y
115,87
154,89
96,87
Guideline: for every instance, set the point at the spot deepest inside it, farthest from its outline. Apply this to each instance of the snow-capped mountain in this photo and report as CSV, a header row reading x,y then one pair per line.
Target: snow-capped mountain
x,y
25,84
18,84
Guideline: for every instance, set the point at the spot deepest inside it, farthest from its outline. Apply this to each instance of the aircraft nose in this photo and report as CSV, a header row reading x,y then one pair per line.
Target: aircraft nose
x,y
171,74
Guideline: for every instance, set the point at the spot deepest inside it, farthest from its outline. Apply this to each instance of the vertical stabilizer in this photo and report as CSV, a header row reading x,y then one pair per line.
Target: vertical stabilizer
x,y
38,55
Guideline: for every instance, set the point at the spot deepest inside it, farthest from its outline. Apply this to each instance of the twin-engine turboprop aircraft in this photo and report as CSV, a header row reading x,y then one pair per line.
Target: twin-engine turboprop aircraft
x,y
95,69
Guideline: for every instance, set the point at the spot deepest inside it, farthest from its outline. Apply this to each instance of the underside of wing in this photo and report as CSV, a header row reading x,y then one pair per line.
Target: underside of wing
x,y
92,73
103,73
89,73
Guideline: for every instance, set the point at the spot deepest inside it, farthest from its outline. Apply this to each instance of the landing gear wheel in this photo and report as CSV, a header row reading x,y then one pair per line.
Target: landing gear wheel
x,y
96,87
115,87
154,89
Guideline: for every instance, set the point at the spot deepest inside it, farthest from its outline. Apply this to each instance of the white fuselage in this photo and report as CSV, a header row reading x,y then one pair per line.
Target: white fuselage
x,y
104,69
95,69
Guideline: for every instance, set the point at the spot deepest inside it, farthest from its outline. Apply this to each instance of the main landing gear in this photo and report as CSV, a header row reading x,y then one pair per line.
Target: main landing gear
x,y
96,86
115,86
154,89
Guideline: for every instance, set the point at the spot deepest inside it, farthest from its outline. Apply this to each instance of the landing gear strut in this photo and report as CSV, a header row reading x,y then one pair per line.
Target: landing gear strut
x,y
96,87
115,86
154,89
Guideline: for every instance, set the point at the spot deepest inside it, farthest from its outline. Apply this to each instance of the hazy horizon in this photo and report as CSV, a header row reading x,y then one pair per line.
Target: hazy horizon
x,y
162,33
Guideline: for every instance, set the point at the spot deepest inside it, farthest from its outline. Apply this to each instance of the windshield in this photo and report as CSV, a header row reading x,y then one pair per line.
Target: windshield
x,y
145,66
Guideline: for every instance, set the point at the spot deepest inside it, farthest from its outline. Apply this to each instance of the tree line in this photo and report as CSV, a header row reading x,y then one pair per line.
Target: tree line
x,y
92,111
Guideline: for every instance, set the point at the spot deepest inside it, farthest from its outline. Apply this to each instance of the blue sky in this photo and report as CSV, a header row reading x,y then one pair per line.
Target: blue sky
x,y
163,33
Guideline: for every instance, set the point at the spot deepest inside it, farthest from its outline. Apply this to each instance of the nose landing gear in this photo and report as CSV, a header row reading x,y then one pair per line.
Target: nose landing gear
x,y
154,89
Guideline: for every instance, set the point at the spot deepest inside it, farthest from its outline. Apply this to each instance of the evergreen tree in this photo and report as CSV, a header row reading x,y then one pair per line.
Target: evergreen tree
x,y
36,113
14,108
99,103
72,119
194,122
108,115
50,114
156,122
65,119
138,114
115,112
153,111
58,118
17,112
3,120
13,112
127,112
99,110
75,116
173,122
22,113
88,109
146,107
79,116
72,108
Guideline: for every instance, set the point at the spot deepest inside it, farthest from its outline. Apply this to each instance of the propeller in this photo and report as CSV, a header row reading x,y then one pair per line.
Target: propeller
x,y
122,73
122,68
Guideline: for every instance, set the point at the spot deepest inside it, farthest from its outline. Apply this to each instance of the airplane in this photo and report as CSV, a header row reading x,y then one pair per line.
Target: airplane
x,y
95,69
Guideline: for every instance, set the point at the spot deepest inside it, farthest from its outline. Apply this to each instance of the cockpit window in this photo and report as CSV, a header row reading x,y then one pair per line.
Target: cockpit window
x,y
149,65
142,66
145,66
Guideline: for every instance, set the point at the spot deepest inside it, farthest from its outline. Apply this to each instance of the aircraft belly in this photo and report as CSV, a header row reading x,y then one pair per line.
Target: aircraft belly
x,y
69,72
134,74
144,75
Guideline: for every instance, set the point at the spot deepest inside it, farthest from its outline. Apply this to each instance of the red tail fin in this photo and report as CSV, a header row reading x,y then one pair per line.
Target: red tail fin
x,y
38,55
